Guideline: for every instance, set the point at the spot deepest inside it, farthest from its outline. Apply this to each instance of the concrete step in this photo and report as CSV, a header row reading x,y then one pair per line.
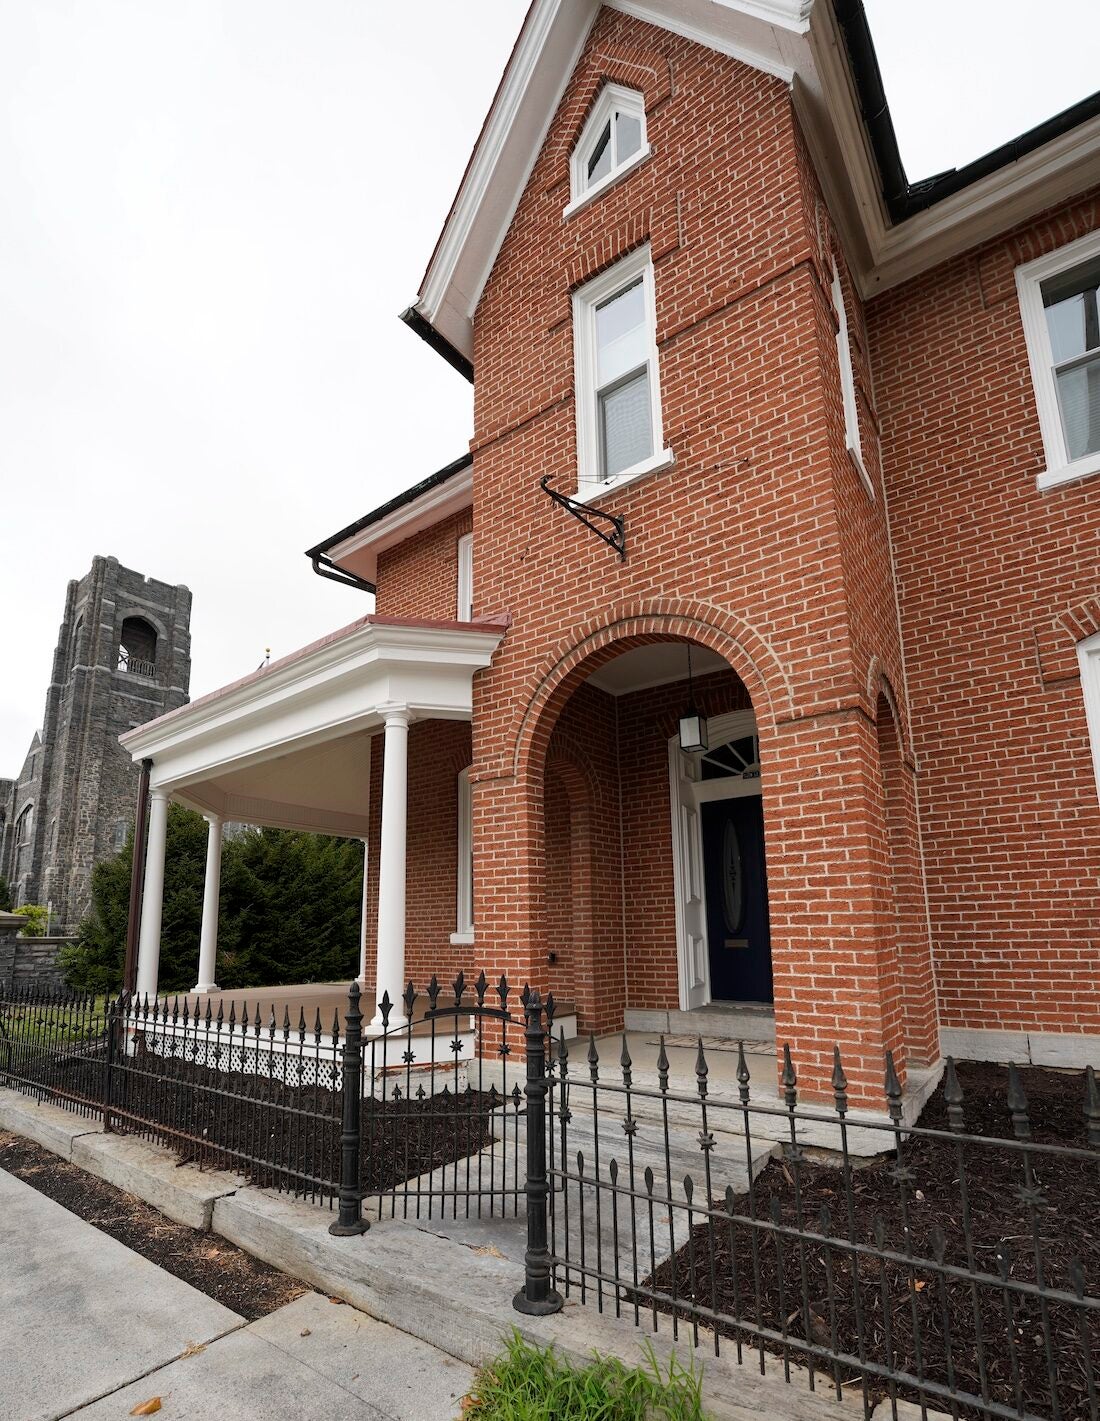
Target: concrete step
x,y
725,1021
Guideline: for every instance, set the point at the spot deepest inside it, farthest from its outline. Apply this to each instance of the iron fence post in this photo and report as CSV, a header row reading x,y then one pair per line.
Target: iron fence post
x,y
536,1297
108,1066
350,1220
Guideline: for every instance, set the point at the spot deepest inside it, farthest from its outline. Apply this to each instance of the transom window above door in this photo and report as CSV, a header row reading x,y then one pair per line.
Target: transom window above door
x,y
736,757
612,142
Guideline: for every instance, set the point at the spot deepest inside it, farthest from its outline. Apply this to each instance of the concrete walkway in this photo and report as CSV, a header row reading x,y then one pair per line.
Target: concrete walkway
x,y
92,1329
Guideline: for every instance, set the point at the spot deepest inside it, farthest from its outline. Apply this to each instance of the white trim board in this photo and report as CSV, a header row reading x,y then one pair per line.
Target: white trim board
x,y
359,552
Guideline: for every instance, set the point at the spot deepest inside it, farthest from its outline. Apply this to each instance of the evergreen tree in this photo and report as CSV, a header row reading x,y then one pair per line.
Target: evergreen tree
x,y
290,910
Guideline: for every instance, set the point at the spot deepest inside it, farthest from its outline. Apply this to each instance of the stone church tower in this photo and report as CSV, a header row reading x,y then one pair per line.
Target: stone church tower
x,y
122,658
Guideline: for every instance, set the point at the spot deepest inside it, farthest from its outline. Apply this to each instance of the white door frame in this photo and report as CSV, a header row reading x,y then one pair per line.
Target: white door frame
x,y
686,795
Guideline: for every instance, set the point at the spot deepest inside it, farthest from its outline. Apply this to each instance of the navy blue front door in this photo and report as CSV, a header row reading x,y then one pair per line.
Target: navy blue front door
x,y
737,900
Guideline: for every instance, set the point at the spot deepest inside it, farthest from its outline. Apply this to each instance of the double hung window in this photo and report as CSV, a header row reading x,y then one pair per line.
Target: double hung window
x,y
848,381
464,907
618,394
1060,305
465,609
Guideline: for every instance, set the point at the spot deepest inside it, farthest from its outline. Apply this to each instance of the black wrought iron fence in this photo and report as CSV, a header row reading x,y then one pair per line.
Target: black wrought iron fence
x,y
942,1264
954,1263
246,1092
53,1044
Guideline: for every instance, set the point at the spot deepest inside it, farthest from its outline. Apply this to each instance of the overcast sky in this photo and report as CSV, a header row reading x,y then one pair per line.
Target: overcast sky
x,y
210,217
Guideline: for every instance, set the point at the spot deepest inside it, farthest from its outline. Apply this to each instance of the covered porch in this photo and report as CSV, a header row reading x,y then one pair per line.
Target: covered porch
x,y
295,745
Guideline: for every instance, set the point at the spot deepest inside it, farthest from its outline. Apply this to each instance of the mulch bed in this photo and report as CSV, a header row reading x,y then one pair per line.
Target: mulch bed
x,y
210,1264
944,1313
282,1135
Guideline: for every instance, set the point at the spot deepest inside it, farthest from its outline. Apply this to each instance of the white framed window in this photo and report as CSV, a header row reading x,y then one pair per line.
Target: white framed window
x,y
464,907
848,382
616,378
1088,654
612,142
1060,307
465,609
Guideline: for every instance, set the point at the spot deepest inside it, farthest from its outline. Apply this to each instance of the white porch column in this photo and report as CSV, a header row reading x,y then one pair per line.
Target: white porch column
x,y
211,894
363,918
391,861
152,900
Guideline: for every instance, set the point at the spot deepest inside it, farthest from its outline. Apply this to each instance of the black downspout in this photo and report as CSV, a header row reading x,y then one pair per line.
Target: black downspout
x,y
325,567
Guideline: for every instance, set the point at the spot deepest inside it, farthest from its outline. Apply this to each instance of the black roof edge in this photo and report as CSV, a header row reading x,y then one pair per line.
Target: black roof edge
x,y
399,501
904,199
440,344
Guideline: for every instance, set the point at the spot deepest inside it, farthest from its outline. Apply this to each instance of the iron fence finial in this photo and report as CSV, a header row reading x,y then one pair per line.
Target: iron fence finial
x,y
1017,1104
953,1096
1092,1106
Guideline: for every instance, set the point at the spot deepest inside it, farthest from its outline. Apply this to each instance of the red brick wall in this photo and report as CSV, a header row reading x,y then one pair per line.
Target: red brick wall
x,y
990,571
760,542
419,577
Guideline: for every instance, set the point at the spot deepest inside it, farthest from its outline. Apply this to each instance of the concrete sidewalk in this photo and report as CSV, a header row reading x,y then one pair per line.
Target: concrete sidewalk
x,y
90,1328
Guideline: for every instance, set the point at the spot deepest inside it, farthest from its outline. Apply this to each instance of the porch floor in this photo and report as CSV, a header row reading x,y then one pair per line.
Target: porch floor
x,y
329,1000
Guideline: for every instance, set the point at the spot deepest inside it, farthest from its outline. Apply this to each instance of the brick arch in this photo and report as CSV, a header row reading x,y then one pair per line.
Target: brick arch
x,y
1057,636
598,641
630,65
879,684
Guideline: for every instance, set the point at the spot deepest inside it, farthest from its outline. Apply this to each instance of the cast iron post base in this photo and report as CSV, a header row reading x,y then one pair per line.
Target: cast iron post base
x,y
553,1302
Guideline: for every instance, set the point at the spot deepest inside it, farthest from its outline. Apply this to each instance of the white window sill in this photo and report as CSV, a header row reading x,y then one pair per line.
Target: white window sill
x,y
609,180
655,464
458,939
1069,473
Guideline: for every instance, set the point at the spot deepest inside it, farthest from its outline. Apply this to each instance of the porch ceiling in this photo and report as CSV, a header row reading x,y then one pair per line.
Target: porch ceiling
x,y
289,745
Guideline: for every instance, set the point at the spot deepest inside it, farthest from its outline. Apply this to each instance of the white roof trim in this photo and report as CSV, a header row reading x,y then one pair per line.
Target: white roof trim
x,y
334,689
796,41
542,63
358,553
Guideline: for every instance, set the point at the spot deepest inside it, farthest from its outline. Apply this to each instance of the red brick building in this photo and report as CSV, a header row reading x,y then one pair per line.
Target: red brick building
x,y
823,447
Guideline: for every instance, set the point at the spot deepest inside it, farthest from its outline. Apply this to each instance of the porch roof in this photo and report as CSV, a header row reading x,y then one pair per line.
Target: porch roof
x,y
287,746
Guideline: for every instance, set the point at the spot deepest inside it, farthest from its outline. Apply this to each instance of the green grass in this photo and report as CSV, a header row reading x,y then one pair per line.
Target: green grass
x,y
50,1025
529,1383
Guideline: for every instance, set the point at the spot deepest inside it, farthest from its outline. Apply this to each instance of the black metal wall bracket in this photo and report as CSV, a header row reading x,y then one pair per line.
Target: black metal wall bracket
x,y
585,513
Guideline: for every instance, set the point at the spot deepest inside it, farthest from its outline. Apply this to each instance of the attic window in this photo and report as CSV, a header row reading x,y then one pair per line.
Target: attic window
x,y
612,142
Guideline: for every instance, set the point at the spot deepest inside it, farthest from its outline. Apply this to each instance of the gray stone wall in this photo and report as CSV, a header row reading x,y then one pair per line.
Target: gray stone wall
x,y
27,961
83,786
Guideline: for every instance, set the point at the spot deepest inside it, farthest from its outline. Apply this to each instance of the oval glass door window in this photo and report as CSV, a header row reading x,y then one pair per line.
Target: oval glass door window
x,y
733,879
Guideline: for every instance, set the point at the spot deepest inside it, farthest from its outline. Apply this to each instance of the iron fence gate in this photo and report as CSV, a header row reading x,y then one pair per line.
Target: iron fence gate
x,y
444,1116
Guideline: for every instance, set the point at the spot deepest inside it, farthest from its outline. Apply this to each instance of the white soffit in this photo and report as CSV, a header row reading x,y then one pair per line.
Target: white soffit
x,y
359,552
797,41
659,664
